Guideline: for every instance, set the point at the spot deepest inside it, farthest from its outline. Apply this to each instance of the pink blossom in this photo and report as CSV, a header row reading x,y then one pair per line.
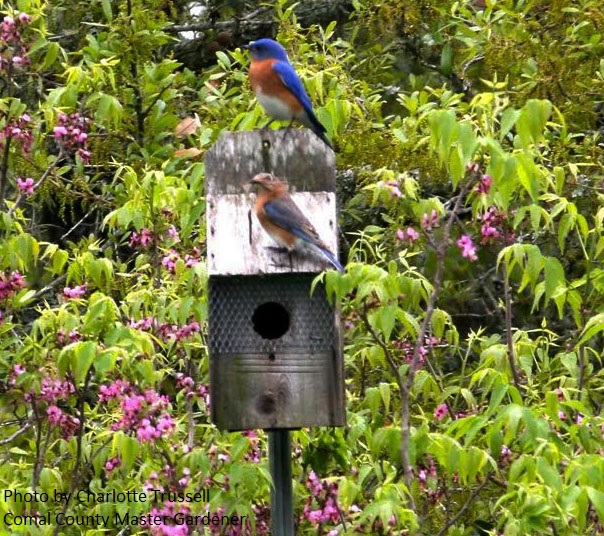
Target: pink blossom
x,y
409,234
430,221
59,131
15,373
173,233
392,186
441,412
70,134
169,261
484,184
54,415
75,292
113,463
146,237
19,130
467,247
488,233
26,185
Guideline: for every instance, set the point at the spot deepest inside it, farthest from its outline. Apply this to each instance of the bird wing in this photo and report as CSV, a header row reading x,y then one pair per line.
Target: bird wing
x,y
292,81
285,214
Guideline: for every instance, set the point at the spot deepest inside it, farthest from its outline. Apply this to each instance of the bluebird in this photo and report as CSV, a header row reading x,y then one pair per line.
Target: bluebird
x,y
278,87
283,220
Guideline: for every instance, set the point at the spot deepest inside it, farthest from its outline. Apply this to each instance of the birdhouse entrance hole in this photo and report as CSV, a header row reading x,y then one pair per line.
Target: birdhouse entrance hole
x,y
271,320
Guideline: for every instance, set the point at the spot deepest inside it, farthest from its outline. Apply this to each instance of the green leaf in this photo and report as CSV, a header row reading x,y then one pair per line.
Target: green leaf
x,y
109,110
52,52
385,392
127,448
495,443
107,10
508,119
373,398
554,277
496,397
597,499
106,361
446,58
550,475
83,354
594,326
534,115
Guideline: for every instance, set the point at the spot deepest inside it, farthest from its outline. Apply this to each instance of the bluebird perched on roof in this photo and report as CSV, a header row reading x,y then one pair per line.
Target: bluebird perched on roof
x,y
283,220
278,87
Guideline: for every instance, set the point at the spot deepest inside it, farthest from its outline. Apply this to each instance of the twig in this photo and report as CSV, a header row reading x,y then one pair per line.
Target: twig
x,y
463,509
441,249
51,286
78,223
16,434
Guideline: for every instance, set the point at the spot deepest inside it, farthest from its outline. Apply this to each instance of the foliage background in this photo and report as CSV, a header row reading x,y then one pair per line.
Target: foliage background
x,y
469,138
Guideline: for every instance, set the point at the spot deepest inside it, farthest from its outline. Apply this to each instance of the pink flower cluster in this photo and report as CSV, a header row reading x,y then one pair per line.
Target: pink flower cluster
x,y
143,239
67,423
54,389
408,348
71,133
254,453
424,472
113,463
441,412
10,283
14,374
165,331
143,414
18,129
75,292
407,235
429,221
146,237
171,258
26,186
468,249
494,226
393,188
484,184
324,497
14,48
187,384
63,339
170,509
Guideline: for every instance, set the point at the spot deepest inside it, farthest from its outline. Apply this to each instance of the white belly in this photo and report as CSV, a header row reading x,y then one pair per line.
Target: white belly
x,y
274,107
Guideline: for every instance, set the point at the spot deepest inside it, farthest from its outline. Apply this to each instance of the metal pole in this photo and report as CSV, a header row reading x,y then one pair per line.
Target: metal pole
x,y
279,459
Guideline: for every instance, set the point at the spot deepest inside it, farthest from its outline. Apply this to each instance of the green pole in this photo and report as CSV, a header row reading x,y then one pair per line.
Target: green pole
x,y
279,458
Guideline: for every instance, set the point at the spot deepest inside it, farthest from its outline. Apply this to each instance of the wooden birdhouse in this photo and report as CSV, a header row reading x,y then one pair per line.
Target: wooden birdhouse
x,y
275,348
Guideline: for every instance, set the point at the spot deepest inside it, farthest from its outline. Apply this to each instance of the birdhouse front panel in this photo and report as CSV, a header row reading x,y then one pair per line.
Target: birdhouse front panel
x,y
234,228
275,354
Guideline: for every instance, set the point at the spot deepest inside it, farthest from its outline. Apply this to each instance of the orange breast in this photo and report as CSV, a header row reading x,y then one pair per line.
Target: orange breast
x,y
267,84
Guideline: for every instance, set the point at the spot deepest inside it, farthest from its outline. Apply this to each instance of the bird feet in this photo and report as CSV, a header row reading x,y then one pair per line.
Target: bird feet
x,y
282,250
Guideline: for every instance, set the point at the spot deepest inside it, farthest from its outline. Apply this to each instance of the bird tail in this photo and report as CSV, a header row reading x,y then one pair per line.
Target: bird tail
x,y
315,125
331,258
323,137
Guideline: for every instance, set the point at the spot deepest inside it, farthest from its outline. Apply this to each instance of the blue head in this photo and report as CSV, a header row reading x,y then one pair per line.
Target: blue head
x,y
264,49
